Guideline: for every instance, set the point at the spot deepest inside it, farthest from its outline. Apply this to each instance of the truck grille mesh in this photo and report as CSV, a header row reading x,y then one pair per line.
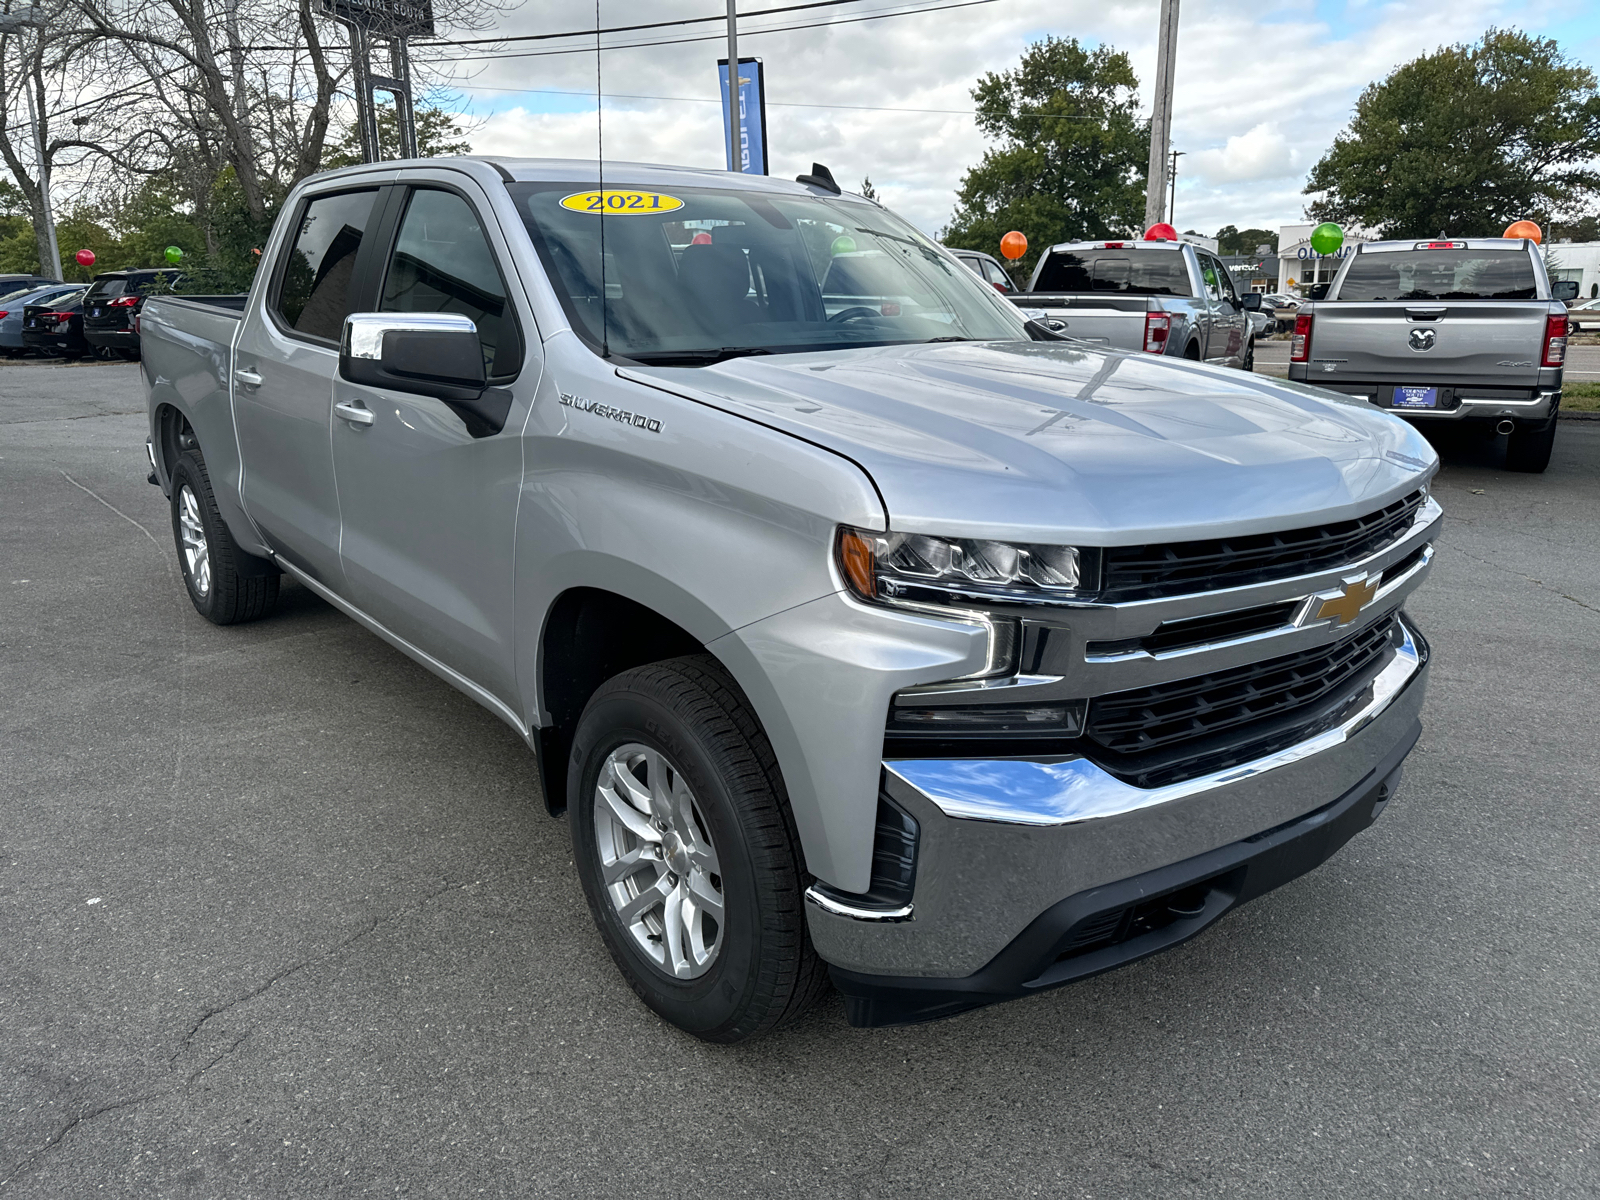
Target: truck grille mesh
x,y
1190,727
1147,572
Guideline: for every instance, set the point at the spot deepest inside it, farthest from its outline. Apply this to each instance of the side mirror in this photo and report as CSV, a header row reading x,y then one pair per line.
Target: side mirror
x,y
1318,291
429,354
1251,301
1564,289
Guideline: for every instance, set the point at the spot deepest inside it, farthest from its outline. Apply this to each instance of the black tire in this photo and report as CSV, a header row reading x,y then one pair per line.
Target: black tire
x,y
239,587
765,972
1528,449
1192,352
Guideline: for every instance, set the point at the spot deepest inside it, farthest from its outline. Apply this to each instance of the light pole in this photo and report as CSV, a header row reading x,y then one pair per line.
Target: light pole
x,y
1161,113
33,18
734,163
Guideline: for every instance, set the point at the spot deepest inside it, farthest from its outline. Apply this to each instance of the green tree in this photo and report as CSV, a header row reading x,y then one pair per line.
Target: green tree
x,y
1244,241
439,134
1464,141
1072,152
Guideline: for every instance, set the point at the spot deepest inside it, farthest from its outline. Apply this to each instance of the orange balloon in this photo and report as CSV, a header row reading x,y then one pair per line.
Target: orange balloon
x,y
1524,229
1013,245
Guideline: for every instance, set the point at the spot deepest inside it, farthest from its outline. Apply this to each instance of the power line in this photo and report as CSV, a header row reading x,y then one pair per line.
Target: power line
x,y
955,112
588,33
717,37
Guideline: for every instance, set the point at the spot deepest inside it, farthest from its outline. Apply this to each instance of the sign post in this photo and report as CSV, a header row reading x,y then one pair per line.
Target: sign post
x,y
750,134
395,21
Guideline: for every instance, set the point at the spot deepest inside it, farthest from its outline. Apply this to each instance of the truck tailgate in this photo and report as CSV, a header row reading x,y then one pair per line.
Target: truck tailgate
x,y
1481,342
1107,321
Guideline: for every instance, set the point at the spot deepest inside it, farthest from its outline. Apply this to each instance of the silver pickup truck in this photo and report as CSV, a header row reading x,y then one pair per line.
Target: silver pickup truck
x,y
862,629
1453,330
1158,297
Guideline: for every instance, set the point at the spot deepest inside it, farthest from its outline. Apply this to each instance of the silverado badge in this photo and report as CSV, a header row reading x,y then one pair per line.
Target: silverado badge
x,y
1347,606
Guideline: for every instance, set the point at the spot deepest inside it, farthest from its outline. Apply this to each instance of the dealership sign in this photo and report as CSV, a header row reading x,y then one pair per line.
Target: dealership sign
x,y
386,18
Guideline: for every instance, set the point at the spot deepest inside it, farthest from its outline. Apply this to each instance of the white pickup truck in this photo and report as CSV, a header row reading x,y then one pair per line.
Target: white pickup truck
x,y
862,629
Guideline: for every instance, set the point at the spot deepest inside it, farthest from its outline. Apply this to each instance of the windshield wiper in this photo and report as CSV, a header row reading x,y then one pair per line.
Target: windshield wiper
x,y
699,358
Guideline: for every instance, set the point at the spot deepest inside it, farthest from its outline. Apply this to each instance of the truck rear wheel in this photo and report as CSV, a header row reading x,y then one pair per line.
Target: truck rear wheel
x,y
226,585
1528,449
687,852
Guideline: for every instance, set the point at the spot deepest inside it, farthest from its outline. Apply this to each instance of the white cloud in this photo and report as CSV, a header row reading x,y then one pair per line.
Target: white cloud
x,y
1262,88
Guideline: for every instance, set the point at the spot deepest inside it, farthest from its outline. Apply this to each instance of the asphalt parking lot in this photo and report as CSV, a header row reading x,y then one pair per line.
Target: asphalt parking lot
x,y
281,915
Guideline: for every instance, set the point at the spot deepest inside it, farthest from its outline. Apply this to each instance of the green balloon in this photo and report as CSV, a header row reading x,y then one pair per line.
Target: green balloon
x,y
174,255
844,244
1326,238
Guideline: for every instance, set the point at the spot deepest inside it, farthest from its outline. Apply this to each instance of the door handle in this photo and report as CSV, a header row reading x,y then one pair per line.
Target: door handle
x,y
353,412
247,377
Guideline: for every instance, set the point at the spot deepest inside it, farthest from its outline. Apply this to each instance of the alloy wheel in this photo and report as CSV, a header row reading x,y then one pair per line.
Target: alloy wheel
x,y
196,555
657,862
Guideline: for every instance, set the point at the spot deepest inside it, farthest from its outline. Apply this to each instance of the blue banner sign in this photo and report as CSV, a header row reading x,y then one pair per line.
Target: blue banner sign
x,y
752,115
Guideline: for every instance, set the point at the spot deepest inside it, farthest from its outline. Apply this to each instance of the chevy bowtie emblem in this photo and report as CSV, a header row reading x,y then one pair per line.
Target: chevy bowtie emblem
x,y
1347,607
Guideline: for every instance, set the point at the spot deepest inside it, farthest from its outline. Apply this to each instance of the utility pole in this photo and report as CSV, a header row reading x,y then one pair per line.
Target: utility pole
x,y
33,18
1161,113
734,158
1172,208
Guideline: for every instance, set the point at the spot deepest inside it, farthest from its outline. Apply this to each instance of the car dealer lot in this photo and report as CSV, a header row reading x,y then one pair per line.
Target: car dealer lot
x,y
281,915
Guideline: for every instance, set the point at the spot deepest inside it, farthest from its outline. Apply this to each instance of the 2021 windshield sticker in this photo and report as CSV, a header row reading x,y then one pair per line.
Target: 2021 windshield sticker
x,y
621,202
638,421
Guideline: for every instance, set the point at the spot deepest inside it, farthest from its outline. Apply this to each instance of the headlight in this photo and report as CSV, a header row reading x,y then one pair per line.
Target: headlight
x,y
916,567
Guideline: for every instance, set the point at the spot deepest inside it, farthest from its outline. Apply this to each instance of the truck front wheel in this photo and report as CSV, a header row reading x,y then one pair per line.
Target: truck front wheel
x,y
225,584
688,854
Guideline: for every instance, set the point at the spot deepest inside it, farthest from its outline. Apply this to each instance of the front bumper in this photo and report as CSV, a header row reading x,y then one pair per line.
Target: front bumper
x,y
1017,858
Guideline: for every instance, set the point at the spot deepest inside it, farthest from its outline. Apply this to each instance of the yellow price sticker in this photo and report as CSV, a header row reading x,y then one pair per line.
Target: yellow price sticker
x,y
621,202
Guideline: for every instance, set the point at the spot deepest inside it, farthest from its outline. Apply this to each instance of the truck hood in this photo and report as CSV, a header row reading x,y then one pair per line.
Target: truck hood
x,y
1052,442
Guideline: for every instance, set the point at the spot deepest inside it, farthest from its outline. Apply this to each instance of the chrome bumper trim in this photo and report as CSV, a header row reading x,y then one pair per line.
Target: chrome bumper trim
x,y
829,905
1065,791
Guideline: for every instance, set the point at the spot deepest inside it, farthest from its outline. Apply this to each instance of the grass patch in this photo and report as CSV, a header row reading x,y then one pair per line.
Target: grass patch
x,y
1580,397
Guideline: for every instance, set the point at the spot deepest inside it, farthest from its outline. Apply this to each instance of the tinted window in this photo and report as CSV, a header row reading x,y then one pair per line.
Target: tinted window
x,y
994,274
1131,272
314,296
1440,275
443,263
1225,280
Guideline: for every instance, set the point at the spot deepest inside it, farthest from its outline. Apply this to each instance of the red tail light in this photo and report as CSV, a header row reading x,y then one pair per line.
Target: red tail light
x,y
1555,342
1157,328
1115,245
1300,348
123,302
4,315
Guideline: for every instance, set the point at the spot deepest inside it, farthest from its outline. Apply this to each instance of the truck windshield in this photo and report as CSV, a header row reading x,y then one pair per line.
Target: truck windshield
x,y
1132,272
1440,275
693,275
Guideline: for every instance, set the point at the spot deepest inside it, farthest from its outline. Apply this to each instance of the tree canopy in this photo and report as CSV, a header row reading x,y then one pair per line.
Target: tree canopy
x,y
1464,141
1244,241
1072,152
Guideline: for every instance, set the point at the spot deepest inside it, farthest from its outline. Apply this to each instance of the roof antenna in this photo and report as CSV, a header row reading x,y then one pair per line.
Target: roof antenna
x,y
600,149
820,177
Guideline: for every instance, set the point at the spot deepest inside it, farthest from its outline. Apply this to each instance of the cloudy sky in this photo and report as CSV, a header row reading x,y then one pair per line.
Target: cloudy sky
x,y
1262,87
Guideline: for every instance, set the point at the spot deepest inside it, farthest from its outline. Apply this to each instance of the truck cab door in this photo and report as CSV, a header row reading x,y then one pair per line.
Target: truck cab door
x,y
1230,322
283,369
428,488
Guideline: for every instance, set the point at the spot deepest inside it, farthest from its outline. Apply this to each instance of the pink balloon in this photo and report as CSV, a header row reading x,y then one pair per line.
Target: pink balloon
x,y
85,258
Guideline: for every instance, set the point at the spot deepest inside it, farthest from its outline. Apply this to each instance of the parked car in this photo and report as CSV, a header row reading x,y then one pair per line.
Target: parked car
x,y
112,303
54,328
1160,297
919,647
1460,330
987,268
12,283
12,344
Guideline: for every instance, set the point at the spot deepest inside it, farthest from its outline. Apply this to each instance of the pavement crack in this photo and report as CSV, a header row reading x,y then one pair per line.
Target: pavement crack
x,y
112,507
72,1123
1538,583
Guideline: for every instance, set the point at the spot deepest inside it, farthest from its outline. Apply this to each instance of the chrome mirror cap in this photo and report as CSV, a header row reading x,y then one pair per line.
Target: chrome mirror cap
x,y
363,332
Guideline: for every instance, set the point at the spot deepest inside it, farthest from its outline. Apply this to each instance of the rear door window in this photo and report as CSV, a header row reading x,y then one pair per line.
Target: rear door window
x,y
314,294
1131,272
443,263
995,275
1441,275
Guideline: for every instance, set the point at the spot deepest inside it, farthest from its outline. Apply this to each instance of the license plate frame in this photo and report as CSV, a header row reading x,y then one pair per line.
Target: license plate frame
x,y
1409,397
